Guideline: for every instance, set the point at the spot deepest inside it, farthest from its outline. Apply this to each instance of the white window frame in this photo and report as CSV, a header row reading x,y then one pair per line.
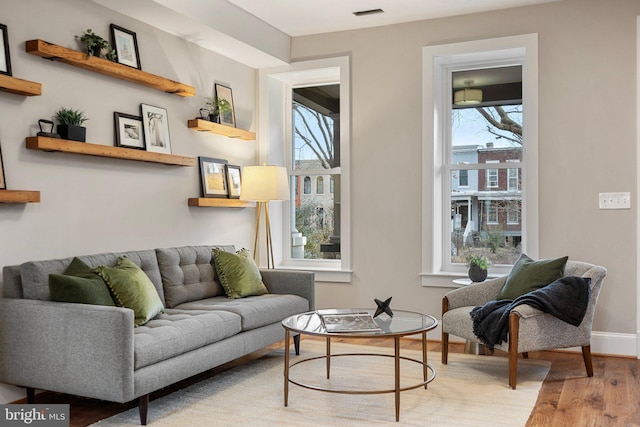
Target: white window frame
x,y
490,173
493,216
513,216
276,86
466,174
438,64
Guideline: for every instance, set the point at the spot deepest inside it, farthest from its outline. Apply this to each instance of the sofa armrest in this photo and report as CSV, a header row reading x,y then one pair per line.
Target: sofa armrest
x,y
475,294
301,283
80,349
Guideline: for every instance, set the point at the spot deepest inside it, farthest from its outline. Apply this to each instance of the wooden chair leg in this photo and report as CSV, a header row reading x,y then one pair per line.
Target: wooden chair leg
x,y
31,395
586,355
525,354
143,408
514,325
445,336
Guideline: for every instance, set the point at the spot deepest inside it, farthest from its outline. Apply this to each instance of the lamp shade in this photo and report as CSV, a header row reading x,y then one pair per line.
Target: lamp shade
x,y
264,183
467,96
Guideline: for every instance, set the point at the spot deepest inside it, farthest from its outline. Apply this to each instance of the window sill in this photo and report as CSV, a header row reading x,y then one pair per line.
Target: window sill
x,y
323,274
445,279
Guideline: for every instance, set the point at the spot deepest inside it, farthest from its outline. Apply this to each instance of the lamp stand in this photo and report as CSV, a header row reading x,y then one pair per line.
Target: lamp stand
x,y
270,262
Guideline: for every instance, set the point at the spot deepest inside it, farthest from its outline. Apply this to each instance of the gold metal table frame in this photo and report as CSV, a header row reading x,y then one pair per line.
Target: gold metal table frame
x,y
406,323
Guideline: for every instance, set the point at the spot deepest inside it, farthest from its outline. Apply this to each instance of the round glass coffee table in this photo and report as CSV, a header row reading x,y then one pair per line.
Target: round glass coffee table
x,y
359,323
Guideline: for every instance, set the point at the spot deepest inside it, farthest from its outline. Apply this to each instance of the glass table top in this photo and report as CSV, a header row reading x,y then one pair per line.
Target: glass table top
x,y
402,323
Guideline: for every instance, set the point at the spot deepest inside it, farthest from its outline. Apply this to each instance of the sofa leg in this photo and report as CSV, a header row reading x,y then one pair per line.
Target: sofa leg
x,y
31,395
514,325
296,344
586,355
143,408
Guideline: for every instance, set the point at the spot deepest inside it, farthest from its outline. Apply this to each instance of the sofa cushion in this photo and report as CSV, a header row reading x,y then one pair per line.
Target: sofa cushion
x,y
35,274
188,274
176,332
256,311
132,288
79,284
238,274
528,275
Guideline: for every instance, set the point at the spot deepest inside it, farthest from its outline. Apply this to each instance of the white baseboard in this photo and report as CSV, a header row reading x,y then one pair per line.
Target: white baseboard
x,y
607,343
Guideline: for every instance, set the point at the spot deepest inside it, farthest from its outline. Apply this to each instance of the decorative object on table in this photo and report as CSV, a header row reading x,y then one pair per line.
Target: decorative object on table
x,y
156,129
128,131
48,132
224,105
5,58
234,181
478,266
263,184
97,46
213,177
70,124
335,321
3,183
125,45
383,307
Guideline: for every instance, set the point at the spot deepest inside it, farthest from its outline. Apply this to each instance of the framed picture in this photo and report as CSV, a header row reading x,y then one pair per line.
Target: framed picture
x,y
5,59
225,109
126,46
129,133
214,180
234,179
3,183
155,123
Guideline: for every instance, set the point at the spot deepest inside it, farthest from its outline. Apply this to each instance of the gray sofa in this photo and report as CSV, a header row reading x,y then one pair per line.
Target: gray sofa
x,y
95,351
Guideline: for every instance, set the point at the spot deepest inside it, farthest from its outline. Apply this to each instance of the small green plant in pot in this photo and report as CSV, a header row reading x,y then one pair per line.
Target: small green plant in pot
x,y
70,124
97,46
478,266
217,107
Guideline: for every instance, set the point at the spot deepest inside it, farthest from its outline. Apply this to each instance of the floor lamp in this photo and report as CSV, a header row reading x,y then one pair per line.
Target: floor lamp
x,y
263,184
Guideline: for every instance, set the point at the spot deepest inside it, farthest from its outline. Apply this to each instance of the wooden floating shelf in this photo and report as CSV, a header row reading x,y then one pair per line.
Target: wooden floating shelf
x,y
63,145
220,202
19,196
19,86
79,59
231,132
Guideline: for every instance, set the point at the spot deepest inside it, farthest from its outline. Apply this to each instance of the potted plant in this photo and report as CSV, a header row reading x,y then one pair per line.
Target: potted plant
x,y
70,124
217,107
478,266
97,46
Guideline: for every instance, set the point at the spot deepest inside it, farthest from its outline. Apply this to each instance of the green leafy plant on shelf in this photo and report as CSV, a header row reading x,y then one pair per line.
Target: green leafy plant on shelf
x,y
217,105
96,45
69,116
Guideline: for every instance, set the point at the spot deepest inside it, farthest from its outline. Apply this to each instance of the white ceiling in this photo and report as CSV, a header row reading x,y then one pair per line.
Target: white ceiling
x,y
304,17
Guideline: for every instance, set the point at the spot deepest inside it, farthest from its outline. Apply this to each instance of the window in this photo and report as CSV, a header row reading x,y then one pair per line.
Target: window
x,y
492,176
307,185
315,109
463,181
495,213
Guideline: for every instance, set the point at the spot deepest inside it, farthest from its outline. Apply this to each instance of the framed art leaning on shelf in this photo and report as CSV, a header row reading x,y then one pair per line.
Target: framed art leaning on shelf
x,y
155,123
3,183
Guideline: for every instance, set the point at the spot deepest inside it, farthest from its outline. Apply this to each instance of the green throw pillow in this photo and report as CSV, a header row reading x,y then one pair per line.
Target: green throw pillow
x,y
528,275
238,273
132,288
79,284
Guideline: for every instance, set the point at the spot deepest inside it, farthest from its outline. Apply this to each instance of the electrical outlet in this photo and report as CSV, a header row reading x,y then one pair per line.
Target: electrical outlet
x,y
615,200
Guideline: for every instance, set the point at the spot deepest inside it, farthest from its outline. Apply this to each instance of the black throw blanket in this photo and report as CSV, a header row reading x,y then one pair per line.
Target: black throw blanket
x,y
566,298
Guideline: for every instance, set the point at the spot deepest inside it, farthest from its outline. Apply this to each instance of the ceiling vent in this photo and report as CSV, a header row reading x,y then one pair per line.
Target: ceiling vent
x,y
368,12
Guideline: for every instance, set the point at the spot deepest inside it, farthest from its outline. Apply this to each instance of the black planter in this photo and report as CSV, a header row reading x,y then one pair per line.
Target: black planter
x,y
72,132
477,274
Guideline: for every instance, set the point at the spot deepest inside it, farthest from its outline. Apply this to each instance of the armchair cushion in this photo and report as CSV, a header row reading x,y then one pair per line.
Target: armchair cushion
x,y
528,275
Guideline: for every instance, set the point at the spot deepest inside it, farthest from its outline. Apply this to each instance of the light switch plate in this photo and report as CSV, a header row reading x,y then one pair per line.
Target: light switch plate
x,y
615,200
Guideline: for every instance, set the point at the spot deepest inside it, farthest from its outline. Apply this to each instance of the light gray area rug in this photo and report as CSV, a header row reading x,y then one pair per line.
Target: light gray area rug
x,y
470,391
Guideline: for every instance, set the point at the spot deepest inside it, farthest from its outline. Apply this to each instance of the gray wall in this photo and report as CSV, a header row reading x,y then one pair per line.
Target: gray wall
x,y
587,145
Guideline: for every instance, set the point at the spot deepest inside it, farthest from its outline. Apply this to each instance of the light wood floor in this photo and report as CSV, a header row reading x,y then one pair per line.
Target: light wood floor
x,y
568,397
